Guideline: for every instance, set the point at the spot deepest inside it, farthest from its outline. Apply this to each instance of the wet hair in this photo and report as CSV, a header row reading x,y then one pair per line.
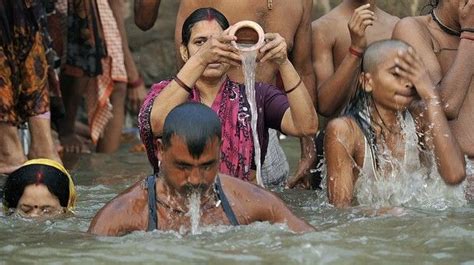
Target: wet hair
x,y
194,122
54,179
359,108
200,14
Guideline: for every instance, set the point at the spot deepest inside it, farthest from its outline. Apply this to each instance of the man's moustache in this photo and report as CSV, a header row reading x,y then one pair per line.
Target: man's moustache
x,y
190,188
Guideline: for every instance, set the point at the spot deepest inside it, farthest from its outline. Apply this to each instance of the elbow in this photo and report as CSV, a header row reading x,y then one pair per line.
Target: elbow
x,y
312,127
325,111
143,24
455,176
451,112
309,127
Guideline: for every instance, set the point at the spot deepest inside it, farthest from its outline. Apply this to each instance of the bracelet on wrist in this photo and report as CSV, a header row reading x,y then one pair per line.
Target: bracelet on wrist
x,y
355,52
182,84
137,83
293,88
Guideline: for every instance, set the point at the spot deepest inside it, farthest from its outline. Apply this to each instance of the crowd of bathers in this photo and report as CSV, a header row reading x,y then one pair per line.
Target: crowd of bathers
x,y
381,107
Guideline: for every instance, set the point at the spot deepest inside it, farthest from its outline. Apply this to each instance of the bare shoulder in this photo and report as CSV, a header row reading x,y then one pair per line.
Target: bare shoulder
x,y
124,213
389,18
411,27
239,189
342,126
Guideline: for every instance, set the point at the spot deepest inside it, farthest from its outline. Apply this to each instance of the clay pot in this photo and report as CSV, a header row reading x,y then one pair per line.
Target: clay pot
x,y
248,33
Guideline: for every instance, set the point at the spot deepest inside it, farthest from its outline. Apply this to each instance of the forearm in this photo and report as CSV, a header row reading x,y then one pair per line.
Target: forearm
x,y
174,94
146,12
448,154
336,91
455,84
303,114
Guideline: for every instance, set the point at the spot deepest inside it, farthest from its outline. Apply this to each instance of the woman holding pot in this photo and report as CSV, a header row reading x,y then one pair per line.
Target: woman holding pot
x,y
208,53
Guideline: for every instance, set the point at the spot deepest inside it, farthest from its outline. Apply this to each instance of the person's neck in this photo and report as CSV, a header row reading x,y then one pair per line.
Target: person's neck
x,y
447,16
208,88
353,4
386,118
176,201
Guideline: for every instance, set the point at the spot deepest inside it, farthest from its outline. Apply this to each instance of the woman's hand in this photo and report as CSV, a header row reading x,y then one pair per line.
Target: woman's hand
x,y
411,67
218,49
275,49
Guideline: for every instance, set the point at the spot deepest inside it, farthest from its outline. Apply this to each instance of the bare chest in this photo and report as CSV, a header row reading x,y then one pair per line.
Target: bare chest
x,y
177,221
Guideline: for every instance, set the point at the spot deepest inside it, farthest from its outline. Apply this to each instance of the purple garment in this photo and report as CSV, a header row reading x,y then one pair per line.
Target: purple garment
x,y
271,106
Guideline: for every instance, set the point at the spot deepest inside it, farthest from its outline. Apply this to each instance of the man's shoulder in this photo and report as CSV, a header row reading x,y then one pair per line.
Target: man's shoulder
x,y
410,24
132,197
239,189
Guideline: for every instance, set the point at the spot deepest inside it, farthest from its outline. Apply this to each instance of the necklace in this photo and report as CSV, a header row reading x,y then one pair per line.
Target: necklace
x,y
445,28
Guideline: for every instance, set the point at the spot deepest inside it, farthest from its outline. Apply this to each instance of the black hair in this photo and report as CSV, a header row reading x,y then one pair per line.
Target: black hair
x,y
200,14
196,123
54,179
359,108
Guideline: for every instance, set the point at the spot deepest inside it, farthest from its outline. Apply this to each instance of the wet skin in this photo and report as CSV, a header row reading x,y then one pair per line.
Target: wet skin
x,y
450,62
38,202
394,84
334,65
129,211
294,28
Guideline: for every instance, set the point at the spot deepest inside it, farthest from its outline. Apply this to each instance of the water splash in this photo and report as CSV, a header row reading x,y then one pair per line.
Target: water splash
x,y
194,212
409,181
249,64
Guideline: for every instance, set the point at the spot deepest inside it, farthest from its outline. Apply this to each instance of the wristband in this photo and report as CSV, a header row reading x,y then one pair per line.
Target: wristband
x,y
182,84
293,88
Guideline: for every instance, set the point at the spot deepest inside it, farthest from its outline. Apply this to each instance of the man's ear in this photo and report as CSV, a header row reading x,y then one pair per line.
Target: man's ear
x,y
183,51
159,149
367,82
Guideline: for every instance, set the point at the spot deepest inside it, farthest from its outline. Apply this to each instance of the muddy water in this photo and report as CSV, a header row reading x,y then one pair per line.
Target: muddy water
x,y
345,237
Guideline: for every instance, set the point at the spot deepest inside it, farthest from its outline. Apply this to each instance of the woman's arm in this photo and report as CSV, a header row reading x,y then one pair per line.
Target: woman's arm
x,y
216,49
448,154
300,119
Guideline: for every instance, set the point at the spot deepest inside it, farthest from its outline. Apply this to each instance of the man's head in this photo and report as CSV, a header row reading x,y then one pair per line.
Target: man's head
x,y
189,150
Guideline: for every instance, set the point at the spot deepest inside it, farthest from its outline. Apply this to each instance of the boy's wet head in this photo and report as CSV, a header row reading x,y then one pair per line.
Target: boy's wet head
x,y
378,52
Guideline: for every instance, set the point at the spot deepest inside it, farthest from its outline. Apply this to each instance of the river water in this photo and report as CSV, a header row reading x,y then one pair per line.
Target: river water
x,y
351,236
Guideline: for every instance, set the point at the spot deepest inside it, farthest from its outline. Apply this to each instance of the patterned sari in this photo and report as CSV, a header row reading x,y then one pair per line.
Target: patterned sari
x,y
234,113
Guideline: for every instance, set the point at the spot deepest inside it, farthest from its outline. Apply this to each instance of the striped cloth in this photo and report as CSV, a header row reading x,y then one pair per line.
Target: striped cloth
x,y
275,168
97,97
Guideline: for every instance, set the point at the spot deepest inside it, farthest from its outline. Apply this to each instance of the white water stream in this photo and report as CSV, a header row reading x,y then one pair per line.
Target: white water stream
x,y
194,212
249,64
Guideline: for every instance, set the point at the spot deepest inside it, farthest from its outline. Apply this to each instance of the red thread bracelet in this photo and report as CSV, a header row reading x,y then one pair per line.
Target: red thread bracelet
x,y
182,84
355,52
137,83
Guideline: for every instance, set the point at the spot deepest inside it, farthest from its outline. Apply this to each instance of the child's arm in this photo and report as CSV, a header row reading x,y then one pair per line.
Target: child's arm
x,y
438,136
339,151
